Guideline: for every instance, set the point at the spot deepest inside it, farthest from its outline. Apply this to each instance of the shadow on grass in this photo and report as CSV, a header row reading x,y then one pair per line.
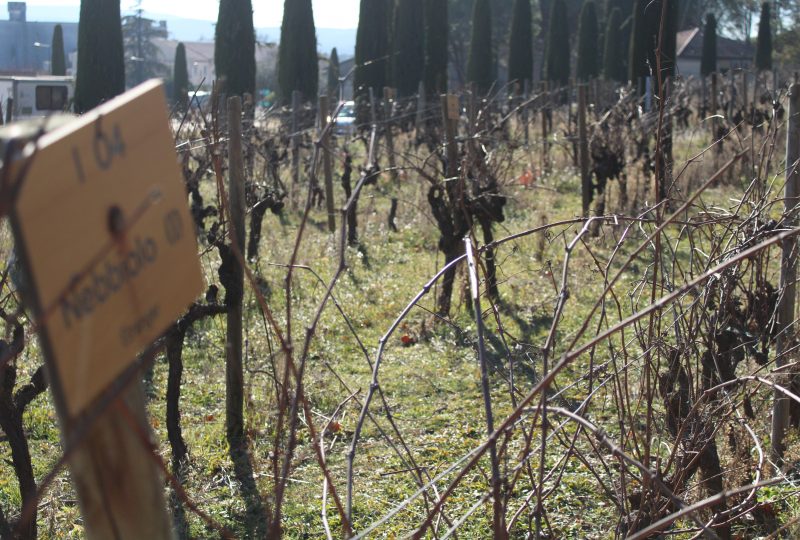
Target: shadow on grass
x,y
524,359
179,521
255,521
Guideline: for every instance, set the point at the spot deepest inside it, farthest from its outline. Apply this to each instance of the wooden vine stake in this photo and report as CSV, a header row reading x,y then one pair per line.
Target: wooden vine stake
x,y
327,167
295,147
234,371
788,278
450,116
745,100
388,100
545,89
714,105
583,149
526,91
104,237
419,120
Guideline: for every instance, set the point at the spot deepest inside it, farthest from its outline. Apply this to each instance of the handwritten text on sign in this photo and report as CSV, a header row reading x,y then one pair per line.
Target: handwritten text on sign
x,y
107,239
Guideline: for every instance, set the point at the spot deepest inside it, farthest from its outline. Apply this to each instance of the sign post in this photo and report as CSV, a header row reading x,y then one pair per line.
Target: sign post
x,y
450,115
103,232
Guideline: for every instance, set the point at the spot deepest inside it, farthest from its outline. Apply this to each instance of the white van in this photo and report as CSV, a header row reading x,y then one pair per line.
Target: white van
x,y
32,97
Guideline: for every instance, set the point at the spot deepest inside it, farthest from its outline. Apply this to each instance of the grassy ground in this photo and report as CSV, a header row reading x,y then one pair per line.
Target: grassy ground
x,y
430,374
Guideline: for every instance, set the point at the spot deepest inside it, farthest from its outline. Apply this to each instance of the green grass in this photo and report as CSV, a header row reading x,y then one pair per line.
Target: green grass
x,y
432,386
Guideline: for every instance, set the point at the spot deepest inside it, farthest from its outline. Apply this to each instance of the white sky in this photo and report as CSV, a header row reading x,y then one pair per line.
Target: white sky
x,y
266,13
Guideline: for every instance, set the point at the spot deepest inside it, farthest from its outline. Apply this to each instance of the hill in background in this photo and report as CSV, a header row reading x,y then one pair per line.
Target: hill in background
x,y
184,29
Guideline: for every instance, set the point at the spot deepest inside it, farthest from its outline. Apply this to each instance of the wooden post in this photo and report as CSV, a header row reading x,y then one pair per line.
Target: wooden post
x,y
9,110
703,92
373,112
745,101
472,120
714,105
450,129
775,84
420,119
248,119
295,147
732,93
568,91
525,96
234,375
248,110
373,118
545,142
119,488
583,148
780,409
388,99
111,448
487,108
327,168
221,108
472,111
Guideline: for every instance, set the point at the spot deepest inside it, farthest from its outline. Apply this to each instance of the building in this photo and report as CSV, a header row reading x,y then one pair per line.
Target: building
x,y
731,54
25,45
346,66
200,59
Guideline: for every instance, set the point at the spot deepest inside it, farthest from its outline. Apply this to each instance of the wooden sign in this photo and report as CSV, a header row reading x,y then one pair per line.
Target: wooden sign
x,y
104,231
453,112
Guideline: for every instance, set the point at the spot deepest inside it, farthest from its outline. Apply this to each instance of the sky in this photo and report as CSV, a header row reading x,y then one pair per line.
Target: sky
x,y
266,13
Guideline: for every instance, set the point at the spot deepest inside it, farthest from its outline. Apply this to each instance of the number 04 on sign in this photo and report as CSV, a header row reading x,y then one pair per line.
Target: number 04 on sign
x,y
105,234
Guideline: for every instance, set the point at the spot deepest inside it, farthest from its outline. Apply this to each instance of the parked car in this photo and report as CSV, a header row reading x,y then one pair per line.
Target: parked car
x,y
200,100
346,120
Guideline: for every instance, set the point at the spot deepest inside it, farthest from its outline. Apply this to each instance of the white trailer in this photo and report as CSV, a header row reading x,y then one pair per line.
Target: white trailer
x,y
33,97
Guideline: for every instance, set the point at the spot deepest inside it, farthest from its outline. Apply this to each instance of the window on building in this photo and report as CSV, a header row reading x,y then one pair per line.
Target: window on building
x,y
51,98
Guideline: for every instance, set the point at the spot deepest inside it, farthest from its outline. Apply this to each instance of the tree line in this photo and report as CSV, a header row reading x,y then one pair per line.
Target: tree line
x,y
405,43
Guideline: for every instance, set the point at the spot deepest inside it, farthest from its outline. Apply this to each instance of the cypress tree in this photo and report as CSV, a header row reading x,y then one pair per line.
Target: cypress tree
x,y
666,63
645,39
613,66
625,8
764,45
101,61
668,40
625,25
372,47
408,50
587,43
235,47
297,53
333,75
58,62
436,36
479,64
520,43
637,60
557,55
180,78
708,61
